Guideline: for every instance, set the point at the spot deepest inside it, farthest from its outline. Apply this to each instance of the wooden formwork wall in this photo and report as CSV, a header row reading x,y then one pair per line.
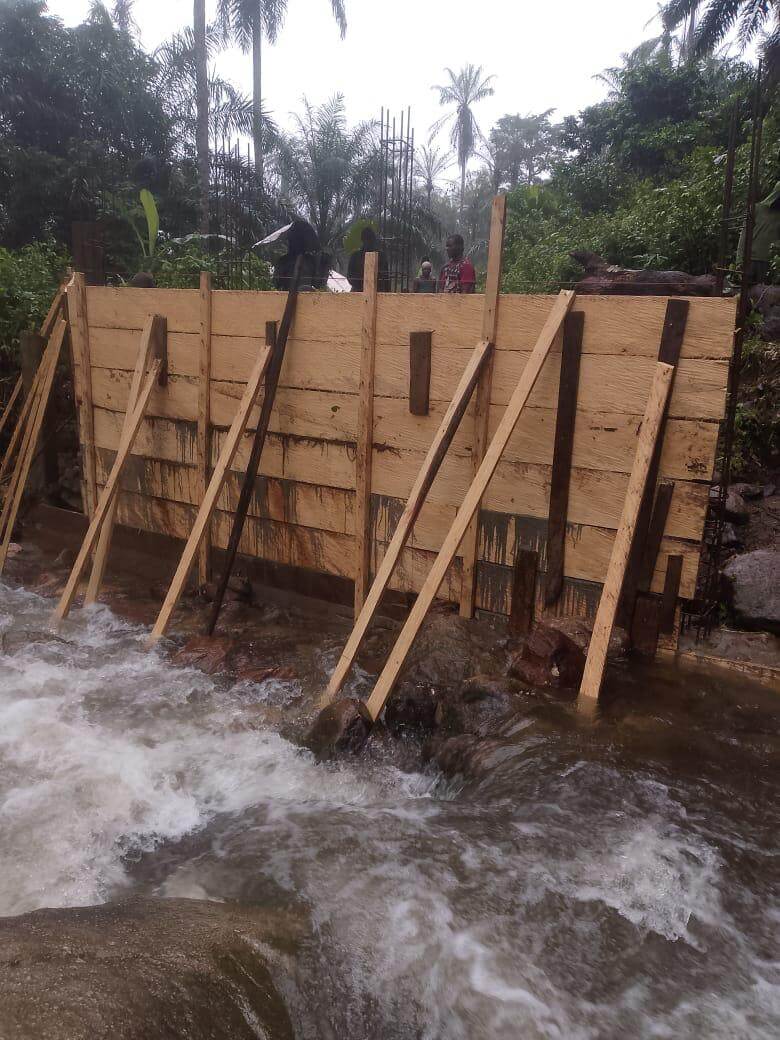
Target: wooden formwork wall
x,y
303,510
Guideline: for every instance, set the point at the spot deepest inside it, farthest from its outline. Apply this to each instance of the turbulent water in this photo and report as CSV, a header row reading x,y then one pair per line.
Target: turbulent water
x,y
617,883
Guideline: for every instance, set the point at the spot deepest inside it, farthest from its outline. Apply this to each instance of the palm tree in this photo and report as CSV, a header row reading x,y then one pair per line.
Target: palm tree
x,y
326,171
429,165
122,14
201,56
245,21
464,90
715,22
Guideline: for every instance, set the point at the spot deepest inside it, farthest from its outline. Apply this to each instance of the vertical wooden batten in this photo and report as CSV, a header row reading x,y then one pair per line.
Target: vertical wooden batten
x,y
420,344
563,449
482,406
365,433
204,417
82,387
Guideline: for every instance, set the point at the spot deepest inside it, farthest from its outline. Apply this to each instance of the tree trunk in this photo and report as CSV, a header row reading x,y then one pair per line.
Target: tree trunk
x,y
202,106
462,192
257,97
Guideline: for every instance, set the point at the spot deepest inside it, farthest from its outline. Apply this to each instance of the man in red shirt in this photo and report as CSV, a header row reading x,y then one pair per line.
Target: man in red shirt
x,y
457,275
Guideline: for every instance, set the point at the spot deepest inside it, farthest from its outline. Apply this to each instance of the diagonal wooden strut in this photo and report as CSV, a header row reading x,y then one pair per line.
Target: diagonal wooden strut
x,y
39,400
213,491
11,402
152,337
621,549
422,485
126,441
470,504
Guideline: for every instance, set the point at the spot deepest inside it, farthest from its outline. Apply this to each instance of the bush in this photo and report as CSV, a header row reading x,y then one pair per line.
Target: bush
x,y
29,278
179,265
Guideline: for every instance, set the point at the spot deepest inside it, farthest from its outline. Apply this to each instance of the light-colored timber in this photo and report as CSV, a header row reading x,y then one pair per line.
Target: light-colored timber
x,y
82,385
398,654
605,617
204,414
483,396
107,496
365,432
40,401
150,342
7,411
403,528
209,502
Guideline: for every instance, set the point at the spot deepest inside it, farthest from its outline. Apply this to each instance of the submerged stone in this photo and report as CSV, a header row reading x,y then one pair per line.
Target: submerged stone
x,y
341,728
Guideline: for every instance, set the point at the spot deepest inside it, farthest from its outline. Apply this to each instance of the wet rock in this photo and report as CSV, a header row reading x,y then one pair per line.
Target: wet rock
x,y
66,558
412,707
174,968
449,648
748,491
729,538
210,654
50,585
735,508
239,590
341,728
768,490
480,704
467,755
550,657
752,589
579,631
258,675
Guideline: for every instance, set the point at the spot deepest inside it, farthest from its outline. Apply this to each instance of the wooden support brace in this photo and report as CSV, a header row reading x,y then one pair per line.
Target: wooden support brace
x,y
482,409
108,494
422,485
153,345
470,504
521,610
82,388
645,625
674,565
209,503
419,372
22,423
562,455
669,352
365,434
204,418
8,410
616,572
27,453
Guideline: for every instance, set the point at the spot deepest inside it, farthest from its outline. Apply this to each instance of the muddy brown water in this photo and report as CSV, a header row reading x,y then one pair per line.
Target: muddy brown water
x,y
611,879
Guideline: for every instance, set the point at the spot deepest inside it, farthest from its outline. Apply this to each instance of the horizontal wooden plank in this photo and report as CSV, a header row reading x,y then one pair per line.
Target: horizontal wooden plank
x,y
614,324
596,498
603,440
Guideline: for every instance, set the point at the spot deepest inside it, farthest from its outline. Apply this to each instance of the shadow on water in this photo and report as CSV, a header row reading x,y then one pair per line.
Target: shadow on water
x,y
610,878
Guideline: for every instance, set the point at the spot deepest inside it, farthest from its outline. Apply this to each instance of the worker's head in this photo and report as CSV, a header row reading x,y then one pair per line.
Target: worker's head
x,y
425,268
454,247
369,239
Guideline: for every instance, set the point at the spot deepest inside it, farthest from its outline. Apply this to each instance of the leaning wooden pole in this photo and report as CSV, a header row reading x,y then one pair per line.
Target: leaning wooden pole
x,y
11,402
470,504
253,467
126,441
154,329
616,572
470,550
417,496
209,503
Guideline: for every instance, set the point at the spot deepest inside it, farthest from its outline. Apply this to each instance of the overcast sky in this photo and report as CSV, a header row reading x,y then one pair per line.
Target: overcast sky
x,y
542,54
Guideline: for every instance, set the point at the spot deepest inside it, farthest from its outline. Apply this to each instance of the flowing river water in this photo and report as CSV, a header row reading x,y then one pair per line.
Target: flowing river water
x,y
615,880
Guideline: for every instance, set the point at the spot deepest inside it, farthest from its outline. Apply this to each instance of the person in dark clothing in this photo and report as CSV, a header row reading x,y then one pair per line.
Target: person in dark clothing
x,y
457,275
425,282
302,240
357,262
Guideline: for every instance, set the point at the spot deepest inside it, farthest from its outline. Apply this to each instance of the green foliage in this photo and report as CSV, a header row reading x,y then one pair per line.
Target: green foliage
x,y
29,279
179,266
757,420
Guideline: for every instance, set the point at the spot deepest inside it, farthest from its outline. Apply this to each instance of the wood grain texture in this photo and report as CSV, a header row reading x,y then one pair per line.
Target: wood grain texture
x,y
82,384
563,452
365,433
672,589
204,414
420,372
490,313
605,617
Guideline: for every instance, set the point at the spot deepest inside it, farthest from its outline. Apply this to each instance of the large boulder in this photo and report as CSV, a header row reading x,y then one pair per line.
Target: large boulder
x,y
752,589
480,704
158,968
549,658
340,728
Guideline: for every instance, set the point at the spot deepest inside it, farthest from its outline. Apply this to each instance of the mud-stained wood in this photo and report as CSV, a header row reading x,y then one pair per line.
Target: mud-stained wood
x,y
204,413
420,372
655,534
365,433
521,609
562,454
673,587
645,626
78,318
